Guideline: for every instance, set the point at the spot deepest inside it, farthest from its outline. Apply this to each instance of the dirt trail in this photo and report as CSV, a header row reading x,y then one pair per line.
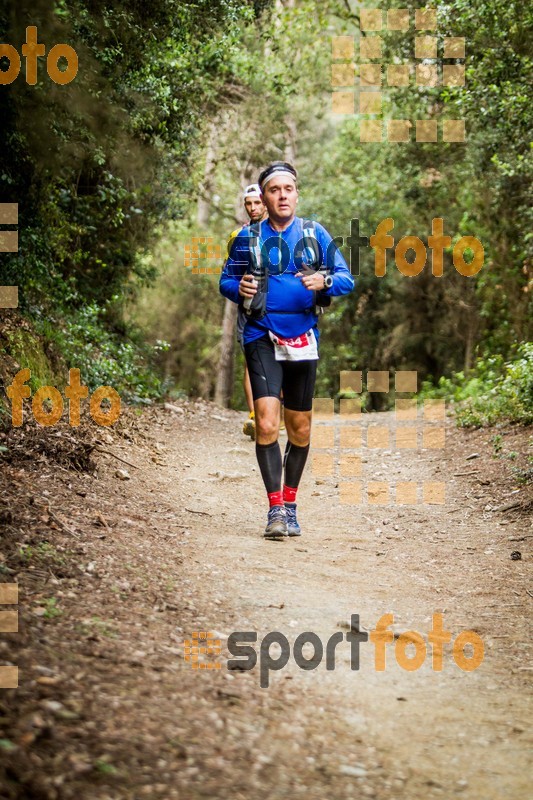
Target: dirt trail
x,y
178,548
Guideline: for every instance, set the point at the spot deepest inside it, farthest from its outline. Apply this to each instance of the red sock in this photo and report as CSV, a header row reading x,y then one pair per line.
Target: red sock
x,y
275,498
289,494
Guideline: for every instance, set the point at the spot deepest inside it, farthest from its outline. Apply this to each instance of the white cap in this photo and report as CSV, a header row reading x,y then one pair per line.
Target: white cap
x,y
252,190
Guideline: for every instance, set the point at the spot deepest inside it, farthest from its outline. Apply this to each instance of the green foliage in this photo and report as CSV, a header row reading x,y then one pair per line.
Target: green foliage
x,y
185,310
436,326
494,392
103,357
97,164
52,610
106,172
29,349
524,475
482,188
104,767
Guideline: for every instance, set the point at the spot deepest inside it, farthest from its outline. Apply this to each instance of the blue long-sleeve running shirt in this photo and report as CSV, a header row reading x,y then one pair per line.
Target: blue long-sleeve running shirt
x,y
286,293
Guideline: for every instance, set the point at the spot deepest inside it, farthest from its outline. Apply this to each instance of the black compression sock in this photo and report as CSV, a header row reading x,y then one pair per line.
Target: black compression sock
x,y
270,464
294,463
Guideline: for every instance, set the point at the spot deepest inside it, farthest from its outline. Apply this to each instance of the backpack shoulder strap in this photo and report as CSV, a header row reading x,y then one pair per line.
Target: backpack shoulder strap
x,y
315,259
311,249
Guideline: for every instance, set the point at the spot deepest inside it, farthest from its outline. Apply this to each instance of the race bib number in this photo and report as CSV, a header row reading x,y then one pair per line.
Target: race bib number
x,y
299,348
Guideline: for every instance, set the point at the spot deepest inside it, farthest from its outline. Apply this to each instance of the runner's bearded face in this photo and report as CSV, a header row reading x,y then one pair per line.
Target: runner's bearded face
x,y
254,208
280,196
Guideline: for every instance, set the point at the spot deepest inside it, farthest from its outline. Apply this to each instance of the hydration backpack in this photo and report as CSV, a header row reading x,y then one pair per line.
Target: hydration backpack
x,y
255,308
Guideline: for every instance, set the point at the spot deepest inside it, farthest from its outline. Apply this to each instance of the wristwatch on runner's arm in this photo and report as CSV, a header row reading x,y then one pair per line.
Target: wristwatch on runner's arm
x,y
328,281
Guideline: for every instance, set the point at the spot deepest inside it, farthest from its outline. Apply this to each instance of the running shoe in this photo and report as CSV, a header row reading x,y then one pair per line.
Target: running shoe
x,y
249,427
276,523
293,528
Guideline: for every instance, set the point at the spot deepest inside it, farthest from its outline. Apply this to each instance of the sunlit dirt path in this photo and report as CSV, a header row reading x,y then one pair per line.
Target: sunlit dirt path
x,y
180,550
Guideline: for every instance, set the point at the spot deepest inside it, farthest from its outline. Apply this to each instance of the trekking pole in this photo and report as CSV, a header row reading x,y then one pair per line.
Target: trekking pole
x,y
257,271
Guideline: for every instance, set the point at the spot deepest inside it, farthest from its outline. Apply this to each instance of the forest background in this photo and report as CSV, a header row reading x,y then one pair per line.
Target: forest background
x,y
175,107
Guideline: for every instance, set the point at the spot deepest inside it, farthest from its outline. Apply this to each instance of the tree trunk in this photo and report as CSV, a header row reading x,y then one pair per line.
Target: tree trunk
x,y
207,187
290,140
224,382
470,339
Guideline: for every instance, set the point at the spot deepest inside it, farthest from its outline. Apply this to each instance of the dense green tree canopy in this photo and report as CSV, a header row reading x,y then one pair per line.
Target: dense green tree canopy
x,y
179,103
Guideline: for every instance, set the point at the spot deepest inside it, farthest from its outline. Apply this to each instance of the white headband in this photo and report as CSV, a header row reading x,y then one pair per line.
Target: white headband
x,y
278,173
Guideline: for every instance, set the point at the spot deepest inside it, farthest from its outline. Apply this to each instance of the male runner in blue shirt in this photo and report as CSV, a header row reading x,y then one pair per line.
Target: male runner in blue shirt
x,y
281,347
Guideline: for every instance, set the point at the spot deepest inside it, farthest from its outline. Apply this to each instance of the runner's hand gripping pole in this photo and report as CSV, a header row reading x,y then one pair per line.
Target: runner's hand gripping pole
x,y
312,263
255,307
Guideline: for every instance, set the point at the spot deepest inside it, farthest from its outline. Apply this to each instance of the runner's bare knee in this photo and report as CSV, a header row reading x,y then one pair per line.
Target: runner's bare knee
x,y
298,424
267,426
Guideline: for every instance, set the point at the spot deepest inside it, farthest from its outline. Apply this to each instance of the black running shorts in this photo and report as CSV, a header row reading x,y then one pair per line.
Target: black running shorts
x,y
269,377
